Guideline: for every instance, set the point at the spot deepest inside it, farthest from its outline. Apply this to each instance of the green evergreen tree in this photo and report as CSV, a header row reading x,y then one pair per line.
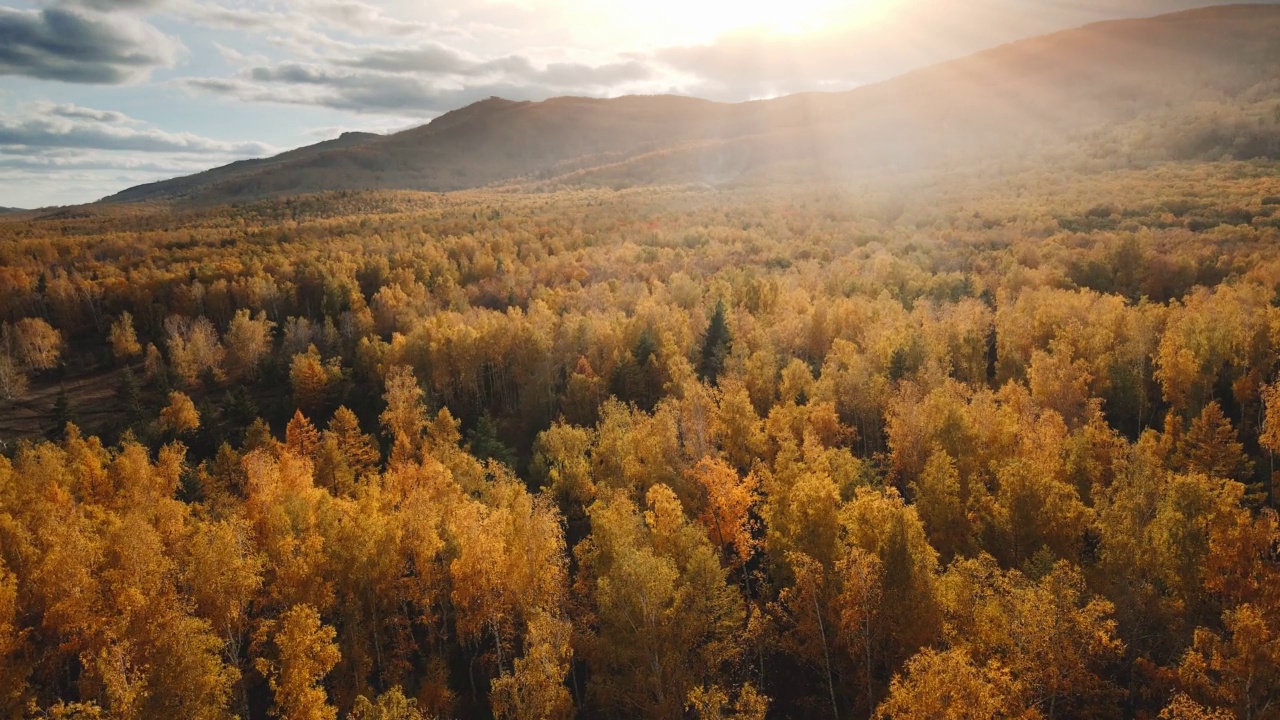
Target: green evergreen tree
x,y
239,407
715,346
61,413
485,443
129,395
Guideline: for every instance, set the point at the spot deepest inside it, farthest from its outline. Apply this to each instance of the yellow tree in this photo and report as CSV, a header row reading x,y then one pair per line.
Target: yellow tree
x,y
736,427
510,566
1182,707
1210,446
286,512
1055,640
713,703
365,560
942,506
154,368
194,350
949,686
301,653
124,339
1239,669
33,343
312,379
536,689
405,416
358,449
796,383
562,462
390,705
248,342
861,576
881,524
179,417
801,514
806,613
222,576
301,437
1175,548
663,619
1269,434
1059,384
727,512
1036,509
13,379
13,681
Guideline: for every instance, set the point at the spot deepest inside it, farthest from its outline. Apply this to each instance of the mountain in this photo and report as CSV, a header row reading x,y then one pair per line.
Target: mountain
x,y
10,210
194,185
1201,83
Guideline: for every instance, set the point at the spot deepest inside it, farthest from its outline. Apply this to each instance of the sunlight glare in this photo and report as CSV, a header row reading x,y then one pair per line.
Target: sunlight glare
x,y
707,19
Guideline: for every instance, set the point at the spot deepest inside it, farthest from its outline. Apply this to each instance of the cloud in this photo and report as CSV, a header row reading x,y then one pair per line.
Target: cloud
x,y
69,127
328,61
362,18
235,57
579,74
61,153
221,16
752,65
433,59
67,110
427,78
121,5
364,93
99,161
35,181
297,20
68,45
430,58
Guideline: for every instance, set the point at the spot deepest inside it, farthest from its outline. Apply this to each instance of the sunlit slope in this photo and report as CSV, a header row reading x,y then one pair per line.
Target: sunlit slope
x,y
1185,85
1200,85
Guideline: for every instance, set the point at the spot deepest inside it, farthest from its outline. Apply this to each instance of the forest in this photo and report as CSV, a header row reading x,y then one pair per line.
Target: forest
x,y
1000,446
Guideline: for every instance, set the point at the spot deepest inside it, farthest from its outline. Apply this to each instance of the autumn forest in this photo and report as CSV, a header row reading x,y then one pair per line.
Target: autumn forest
x,y
819,452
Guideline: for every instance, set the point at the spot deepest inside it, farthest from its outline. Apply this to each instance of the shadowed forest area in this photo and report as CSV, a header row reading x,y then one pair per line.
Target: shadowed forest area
x,y
1001,443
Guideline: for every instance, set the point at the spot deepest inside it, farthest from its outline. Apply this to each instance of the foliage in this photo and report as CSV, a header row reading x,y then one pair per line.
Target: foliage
x,y
1004,452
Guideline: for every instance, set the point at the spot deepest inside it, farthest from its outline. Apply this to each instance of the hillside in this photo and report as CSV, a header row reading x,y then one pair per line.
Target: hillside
x,y
1194,84
194,184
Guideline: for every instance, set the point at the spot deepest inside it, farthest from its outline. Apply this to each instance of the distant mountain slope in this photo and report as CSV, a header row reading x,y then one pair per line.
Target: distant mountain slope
x,y
9,210
1200,84
201,182
1025,97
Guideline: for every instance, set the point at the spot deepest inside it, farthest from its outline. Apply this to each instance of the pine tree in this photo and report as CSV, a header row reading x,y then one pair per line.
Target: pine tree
x,y
129,395
62,413
715,346
485,443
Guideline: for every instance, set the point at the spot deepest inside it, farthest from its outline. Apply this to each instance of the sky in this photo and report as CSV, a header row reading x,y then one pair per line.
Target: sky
x,y
100,95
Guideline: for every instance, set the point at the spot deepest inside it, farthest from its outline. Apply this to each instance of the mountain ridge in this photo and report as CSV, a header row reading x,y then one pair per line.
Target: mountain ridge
x,y
1010,100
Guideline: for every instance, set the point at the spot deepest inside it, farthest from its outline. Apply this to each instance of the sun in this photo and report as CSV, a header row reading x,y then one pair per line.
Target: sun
x,y
703,20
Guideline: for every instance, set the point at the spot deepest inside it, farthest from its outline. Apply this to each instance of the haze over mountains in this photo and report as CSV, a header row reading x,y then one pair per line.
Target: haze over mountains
x,y
1202,84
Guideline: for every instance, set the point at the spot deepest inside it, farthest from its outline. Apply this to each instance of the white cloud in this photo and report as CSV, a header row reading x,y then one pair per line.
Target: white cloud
x,y
39,127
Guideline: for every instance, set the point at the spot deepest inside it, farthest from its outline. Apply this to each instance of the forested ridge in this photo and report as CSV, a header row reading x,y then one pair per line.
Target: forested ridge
x,y
997,447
